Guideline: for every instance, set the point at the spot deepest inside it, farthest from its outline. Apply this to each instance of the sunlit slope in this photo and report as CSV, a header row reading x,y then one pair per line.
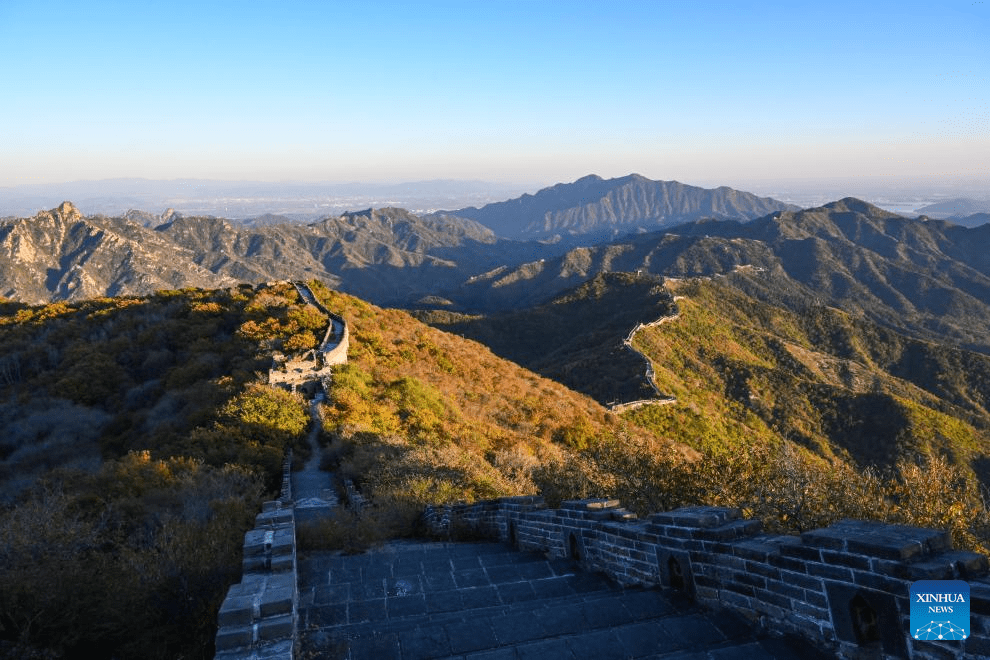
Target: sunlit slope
x,y
576,338
424,413
745,373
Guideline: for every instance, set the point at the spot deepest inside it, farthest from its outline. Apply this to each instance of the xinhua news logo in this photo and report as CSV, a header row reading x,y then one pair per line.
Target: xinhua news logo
x,y
940,609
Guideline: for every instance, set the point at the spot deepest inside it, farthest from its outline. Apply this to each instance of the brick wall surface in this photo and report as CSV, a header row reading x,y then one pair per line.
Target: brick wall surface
x,y
258,617
846,586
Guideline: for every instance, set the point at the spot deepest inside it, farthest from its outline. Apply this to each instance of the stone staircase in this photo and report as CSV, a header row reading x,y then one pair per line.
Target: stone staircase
x,y
417,600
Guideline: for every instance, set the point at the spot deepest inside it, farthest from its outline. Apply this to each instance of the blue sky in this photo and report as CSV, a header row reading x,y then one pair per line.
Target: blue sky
x,y
702,92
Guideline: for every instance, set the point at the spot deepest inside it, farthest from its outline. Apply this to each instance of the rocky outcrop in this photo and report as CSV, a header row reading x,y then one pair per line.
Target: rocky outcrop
x,y
61,255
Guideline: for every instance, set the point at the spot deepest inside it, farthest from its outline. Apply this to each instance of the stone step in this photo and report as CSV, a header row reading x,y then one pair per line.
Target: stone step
x,y
363,567
434,594
410,601
681,636
364,618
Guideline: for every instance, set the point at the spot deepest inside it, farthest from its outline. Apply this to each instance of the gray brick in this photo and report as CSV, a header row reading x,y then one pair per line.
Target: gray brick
x,y
880,583
696,516
977,647
816,599
234,637
277,601
730,531
787,563
931,570
757,550
830,572
832,538
276,627
238,610
772,598
744,589
969,564
591,504
937,651
736,600
810,611
784,589
752,580
281,582
845,559
800,580
471,636
803,552
762,569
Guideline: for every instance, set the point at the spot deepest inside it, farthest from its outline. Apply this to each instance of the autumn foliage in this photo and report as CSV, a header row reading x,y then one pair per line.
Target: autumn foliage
x,y
138,444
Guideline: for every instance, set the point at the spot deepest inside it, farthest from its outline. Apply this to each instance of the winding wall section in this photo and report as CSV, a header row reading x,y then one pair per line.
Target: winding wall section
x,y
337,338
259,617
662,399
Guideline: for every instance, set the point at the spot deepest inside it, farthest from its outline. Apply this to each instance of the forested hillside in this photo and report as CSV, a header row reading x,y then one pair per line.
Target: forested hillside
x,y
427,416
142,440
138,443
800,416
577,338
838,385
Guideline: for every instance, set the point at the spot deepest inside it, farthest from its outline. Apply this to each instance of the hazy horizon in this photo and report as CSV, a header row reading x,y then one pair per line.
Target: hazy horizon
x,y
303,200
529,92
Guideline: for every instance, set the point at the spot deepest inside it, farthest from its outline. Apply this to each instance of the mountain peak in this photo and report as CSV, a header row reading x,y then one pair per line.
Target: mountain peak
x,y
590,178
64,212
854,205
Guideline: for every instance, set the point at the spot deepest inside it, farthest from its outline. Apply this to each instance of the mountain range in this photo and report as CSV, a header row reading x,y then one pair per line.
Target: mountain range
x,y
387,255
957,209
738,372
812,364
927,278
608,207
576,338
61,255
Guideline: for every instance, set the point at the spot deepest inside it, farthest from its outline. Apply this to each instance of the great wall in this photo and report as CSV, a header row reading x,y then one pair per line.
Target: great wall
x,y
590,580
661,399
313,367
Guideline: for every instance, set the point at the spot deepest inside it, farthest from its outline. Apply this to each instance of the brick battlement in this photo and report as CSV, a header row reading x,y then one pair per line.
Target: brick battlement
x,y
845,586
258,617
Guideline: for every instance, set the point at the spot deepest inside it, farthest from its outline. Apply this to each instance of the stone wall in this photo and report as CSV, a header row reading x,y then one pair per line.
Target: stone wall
x,y
333,347
650,375
337,354
846,586
304,372
258,617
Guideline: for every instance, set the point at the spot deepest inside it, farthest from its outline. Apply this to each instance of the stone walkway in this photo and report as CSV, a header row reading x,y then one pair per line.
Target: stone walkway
x,y
312,488
416,600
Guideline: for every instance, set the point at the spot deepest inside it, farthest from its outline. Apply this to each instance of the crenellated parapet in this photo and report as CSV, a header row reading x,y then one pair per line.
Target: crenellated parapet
x,y
258,617
845,586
